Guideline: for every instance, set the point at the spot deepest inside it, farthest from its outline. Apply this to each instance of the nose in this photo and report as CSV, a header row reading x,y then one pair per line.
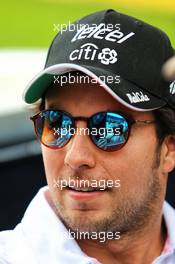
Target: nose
x,y
80,152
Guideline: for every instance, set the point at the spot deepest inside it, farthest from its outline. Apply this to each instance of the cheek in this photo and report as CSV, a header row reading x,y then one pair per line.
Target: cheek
x,y
133,164
53,163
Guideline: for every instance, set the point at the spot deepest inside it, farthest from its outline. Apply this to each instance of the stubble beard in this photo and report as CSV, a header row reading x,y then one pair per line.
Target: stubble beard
x,y
129,215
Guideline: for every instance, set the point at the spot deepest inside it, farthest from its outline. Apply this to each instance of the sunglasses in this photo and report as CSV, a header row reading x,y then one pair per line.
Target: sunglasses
x,y
109,131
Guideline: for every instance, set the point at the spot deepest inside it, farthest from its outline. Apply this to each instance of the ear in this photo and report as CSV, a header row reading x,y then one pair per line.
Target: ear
x,y
168,154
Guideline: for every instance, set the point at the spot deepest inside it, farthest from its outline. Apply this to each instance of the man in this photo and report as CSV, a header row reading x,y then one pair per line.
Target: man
x,y
106,125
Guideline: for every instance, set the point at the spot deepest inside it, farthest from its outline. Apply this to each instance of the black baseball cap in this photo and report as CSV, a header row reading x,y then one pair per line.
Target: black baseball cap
x,y
108,43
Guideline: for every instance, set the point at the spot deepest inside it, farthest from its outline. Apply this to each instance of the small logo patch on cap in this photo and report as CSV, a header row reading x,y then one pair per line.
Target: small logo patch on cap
x,y
137,97
89,51
172,88
102,31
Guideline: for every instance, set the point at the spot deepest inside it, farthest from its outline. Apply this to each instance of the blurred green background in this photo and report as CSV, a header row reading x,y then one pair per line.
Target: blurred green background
x,y
31,23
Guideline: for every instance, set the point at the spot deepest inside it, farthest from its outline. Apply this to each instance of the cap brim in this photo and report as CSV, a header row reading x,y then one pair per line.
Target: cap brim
x,y
124,92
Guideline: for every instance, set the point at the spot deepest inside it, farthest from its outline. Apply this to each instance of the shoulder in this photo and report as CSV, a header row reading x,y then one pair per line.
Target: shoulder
x,y
14,247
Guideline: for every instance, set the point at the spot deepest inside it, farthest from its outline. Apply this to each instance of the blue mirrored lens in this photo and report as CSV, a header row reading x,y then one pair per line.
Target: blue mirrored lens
x,y
109,131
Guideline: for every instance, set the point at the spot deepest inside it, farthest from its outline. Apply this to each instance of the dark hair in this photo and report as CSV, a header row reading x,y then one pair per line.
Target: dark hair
x,y
165,122
37,106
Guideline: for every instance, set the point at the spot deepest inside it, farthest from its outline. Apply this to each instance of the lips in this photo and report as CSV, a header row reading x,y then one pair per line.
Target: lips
x,y
83,194
86,189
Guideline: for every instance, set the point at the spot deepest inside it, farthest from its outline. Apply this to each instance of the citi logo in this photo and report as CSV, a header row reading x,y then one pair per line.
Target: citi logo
x,y
91,52
102,31
137,97
172,88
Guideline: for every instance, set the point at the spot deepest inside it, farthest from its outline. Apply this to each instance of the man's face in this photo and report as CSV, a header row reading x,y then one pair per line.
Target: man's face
x,y
135,165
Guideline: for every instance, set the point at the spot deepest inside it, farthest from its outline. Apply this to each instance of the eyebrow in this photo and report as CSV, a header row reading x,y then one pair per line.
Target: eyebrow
x,y
51,106
120,111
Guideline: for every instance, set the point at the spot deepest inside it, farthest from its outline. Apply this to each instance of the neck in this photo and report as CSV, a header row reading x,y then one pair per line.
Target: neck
x,y
139,247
